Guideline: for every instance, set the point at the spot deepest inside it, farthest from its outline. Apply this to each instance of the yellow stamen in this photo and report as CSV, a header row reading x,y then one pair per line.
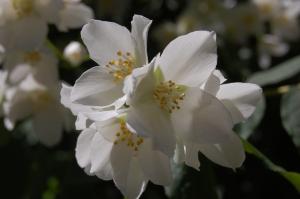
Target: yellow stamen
x,y
32,57
122,66
168,96
131,140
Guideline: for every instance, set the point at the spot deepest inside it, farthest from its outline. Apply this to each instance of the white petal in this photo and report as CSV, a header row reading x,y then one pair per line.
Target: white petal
x,y
2,53
49,9
244,97
96,87
18,73
150,121
140,26
100,152
106,172
104,39
155,165
219,75
11,38
191,156
179,155
81,122
101,115
202,118
19,107
190,59
212,85
146,117
127,174
108,128
83,147
65,95
74,16
228,154
48,125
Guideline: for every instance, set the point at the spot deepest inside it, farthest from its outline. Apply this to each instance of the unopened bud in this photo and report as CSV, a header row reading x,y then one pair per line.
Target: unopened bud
x,y
75,53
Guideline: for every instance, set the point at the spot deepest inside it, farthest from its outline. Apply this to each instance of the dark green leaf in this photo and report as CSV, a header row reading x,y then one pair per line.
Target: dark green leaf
x,y
290,114
292,177
189,183
278,73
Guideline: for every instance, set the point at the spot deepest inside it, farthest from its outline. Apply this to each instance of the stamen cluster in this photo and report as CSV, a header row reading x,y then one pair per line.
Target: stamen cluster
x,y
168,95
125,135
122,66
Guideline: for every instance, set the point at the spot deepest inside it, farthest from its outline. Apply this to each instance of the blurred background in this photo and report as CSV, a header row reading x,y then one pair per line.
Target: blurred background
x,y
256,43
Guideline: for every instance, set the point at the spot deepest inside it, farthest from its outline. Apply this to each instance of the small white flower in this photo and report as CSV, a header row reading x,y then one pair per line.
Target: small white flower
x,y
118,52
243,21
268,8
110,149
41,103
40,63
285,23
270,45
74,15
14,38
75,53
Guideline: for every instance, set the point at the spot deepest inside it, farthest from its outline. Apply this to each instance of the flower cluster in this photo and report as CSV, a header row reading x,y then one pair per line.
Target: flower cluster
x,y
30,82
137,116
273,23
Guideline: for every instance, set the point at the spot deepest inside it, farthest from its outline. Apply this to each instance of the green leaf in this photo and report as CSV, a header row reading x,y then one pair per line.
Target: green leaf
x,y
290,114
292,177
189,183
246,129
278,73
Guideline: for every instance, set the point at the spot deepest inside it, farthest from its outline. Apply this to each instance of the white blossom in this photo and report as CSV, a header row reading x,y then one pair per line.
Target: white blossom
x,y
41,103
126,157
118,52
74,14
168,104
75,53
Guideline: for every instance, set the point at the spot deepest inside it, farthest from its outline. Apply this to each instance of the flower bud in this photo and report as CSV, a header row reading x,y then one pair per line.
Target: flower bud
x,y
75,53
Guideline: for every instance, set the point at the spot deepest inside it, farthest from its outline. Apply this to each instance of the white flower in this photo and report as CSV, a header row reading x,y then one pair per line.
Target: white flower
x,y
74,15
285,23
40,63
118,52
110,149
75,53
268,8
243,21
270,45
169,106
46,10
41,103
14,38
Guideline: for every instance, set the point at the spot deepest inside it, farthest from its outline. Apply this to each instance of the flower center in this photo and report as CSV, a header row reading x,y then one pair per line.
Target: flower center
x,y
122,66
168,96
23,7
41,99
32,57
130,139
